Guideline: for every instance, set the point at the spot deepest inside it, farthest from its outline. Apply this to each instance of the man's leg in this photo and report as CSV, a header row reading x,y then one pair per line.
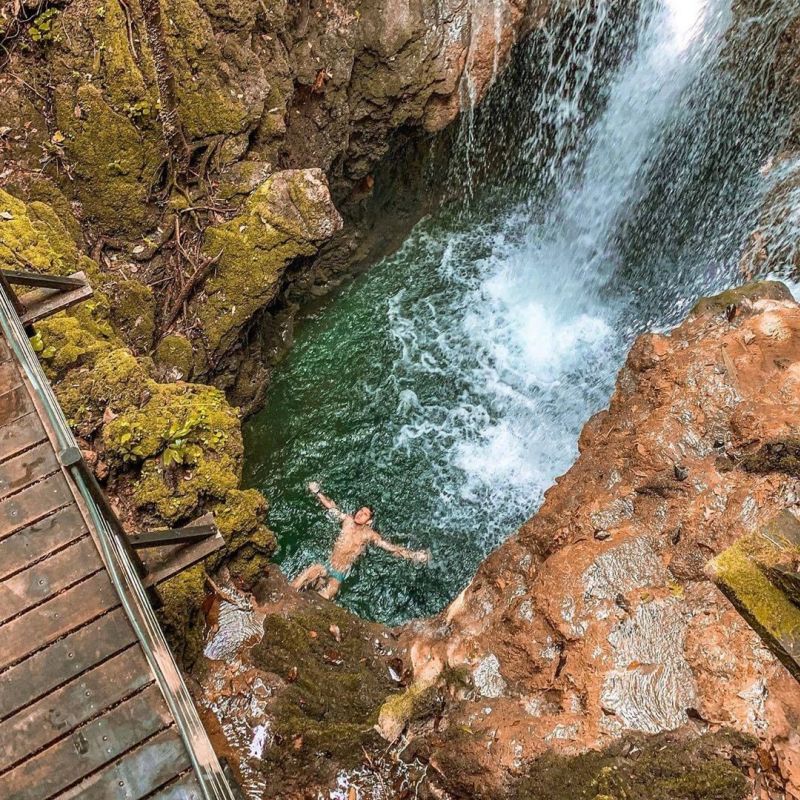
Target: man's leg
x,y
331,590
308,576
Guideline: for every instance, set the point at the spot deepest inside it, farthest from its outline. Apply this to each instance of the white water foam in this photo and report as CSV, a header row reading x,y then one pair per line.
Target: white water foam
x,y
528,327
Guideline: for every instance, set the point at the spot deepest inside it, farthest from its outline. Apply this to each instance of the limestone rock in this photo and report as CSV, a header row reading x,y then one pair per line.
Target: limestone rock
x,y
288,216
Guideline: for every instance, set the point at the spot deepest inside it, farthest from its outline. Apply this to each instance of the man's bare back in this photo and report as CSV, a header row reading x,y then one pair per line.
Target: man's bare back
x,y
357,534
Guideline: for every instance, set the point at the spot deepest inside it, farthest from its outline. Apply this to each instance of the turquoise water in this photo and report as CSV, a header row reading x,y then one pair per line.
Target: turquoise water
x,y
447,386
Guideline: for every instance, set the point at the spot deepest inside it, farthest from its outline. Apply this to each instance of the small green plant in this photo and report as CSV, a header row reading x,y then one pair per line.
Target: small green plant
x,y
143,109
39,347
41,29
179,450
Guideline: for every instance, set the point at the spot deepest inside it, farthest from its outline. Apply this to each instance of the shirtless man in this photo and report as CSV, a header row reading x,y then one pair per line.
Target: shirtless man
x,y
357,534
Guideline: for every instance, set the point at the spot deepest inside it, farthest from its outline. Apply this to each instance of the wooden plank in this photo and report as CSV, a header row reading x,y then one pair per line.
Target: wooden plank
x,y
171,536
41,303
71,656
185,788
180,558
35,541
60,712
33,503
24,469
9,376
138,773
36,279
5,350
53,619
15,403
24,433
9,292
88,748
47,578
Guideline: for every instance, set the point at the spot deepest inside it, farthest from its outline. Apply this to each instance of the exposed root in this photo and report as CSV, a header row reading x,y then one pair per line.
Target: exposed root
x,y
165,83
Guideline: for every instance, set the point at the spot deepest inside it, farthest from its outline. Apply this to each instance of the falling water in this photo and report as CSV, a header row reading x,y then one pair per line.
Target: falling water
x,y
614,174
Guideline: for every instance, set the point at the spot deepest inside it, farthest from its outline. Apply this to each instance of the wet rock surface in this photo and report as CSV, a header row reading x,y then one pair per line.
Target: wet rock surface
x,y
294,685
579,666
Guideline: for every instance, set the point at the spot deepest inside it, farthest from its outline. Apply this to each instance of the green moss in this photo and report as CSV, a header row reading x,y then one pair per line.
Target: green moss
x,y
782,456
174,356
286,217
123,83
655,768
208,103
762,604
133,313
419,701
111,378
181,613
187,441
758,290
114,164
38,187
33,238
326,716
68,344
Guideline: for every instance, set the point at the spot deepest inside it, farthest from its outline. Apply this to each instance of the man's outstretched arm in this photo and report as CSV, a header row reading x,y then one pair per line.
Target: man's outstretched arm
x,y
420,556
324,500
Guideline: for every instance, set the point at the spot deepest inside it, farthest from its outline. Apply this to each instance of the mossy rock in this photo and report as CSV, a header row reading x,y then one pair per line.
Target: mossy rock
x,y
419,701
210,101
188,442
114,163
242,178
326,713
288,216
174,356
656,768
758,290
765,606
133,313
181,613
112,379
32,237
780,456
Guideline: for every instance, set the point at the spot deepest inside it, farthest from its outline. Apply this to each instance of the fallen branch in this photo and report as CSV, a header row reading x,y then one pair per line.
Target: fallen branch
x,y
198,277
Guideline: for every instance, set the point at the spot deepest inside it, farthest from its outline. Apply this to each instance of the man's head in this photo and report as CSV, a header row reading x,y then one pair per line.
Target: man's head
x,y
363,516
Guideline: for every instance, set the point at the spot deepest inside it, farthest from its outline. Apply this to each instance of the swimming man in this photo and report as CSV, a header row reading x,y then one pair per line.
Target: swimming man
x,y
356,535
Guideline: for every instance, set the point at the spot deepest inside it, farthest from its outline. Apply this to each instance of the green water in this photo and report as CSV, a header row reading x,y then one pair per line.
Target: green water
x,y
371,402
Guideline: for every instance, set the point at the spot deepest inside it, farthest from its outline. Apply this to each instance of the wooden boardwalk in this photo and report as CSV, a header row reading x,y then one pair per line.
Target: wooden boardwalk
x,y
91,702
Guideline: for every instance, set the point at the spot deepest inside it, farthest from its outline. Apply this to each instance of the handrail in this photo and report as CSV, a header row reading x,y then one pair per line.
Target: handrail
x,y
122,572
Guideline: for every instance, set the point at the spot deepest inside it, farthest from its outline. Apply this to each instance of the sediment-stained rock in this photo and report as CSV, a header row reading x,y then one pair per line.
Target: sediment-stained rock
x,y
596,620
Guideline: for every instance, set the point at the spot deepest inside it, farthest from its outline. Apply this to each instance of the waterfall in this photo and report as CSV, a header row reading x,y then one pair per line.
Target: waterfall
x,y
610,177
